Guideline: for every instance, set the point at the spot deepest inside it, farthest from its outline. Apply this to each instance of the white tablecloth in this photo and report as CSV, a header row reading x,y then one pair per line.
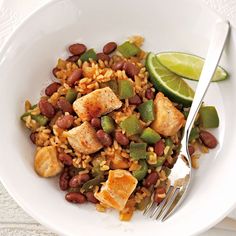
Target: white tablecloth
x,y
13,220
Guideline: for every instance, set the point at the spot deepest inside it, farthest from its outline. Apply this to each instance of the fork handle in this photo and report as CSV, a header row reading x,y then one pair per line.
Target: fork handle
x,y
213,56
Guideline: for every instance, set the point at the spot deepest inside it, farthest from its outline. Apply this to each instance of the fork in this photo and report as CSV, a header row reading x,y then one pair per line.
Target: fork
x,y
181,175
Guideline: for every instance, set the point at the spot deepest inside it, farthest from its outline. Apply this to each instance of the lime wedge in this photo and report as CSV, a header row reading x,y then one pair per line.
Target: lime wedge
x,y
188,65
172,85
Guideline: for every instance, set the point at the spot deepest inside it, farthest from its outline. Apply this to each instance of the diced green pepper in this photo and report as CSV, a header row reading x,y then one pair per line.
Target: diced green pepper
x,y
128,49
108,124
168,143
138,150
34,106
71,95
125,88
96,170
194,134
28,113
40,119
24,115
146,110
208,117
112,84
131,125
150,136
142,172
160,161
89,185
90,54
144,202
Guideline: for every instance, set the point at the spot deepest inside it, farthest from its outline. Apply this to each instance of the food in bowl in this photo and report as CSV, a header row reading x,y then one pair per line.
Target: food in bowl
x,y
111,124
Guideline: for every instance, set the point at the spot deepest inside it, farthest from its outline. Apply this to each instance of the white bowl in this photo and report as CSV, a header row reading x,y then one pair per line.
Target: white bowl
x,y
25,64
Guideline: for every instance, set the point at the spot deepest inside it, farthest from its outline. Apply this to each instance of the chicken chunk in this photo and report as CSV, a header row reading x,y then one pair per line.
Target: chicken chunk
x,y
168,119
96,103
46,163
83,139
117,189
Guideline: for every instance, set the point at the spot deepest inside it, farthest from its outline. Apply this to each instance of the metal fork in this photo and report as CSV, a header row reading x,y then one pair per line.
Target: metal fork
x,y
181,174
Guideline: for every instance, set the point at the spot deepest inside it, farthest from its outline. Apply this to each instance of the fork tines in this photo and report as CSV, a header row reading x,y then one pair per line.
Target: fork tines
x,y
162,211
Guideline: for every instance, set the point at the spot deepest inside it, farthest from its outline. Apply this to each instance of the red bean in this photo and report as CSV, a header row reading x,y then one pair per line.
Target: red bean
x,y
149,94
103,57
121,138
64,105
77,48
159,148
151,179
64,180
54,71
33,137
104,138
109,47
208,139
75,76
191,150
46,108
96,123
135,100
75,197
52,88
160,190
118,65
65,158
78,180
130,69
73,58
65,122
90,197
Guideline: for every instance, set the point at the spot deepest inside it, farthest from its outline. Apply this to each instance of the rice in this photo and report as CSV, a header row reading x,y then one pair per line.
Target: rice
x,y
97,74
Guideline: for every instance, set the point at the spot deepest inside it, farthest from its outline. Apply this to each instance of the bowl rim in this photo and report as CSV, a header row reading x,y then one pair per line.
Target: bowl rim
x,y
10,188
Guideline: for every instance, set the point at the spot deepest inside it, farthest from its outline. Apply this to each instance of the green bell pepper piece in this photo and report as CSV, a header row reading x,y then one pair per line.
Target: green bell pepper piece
x,y
150,136
112,84
128,49
146,111
28,112
89,185
108,124
24,115
90,54
142,172
138,150
71,95
194,134
208,117
169,143
160,161
131,125
125,88
96,171
34,106
40,119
